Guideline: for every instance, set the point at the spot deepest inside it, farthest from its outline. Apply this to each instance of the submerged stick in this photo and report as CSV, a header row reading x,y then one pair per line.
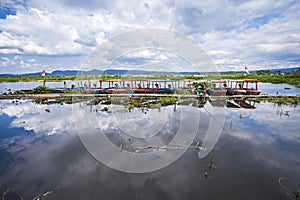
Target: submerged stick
x,y
46,194
296,193
170,147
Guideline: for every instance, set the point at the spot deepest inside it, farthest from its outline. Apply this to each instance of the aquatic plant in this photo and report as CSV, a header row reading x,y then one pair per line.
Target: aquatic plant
x,y
104,109
211,163
40,101
132,104
40,90
46,194
167,100
19,92
8,194
67,100
206,174
141,102
172,146
184,92
139,149
95,101
9,91
278,100
296,191
70,91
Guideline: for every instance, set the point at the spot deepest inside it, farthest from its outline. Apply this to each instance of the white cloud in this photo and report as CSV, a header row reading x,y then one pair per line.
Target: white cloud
x,y
16,57
162,57
9,51
24,64
39,32
59,30
208,15
32,60
145,53
5,62
5,59
259,33
273,44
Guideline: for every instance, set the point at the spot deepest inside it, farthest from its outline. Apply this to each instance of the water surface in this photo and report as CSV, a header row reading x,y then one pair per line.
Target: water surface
x,y
41,151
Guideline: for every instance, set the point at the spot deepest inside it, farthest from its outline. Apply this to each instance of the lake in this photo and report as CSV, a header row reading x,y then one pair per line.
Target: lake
x,y
44,151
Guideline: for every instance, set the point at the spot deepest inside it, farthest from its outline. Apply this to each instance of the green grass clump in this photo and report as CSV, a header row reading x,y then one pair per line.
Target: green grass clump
x,y
168,100
40,90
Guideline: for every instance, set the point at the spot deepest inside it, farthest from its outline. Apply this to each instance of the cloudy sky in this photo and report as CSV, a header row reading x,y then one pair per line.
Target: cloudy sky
x,y
60,34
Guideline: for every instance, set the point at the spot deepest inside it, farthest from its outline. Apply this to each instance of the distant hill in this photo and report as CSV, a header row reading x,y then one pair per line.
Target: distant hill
x,y
284,70
96,72
135,72
141,72
277,70
63,73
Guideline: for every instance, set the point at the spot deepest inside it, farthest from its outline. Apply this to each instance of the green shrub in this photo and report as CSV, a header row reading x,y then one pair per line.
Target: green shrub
x,y
40,90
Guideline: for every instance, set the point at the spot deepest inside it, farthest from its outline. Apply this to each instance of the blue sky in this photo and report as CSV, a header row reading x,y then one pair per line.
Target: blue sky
x,y
60,34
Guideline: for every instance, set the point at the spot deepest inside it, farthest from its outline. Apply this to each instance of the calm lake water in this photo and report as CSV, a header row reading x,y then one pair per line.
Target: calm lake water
x,y
41,151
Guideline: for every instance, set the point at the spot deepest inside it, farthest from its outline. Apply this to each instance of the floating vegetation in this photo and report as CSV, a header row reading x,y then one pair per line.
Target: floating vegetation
x,y
291,187
40,90
279,100
133,104
168,100
104,109
297,194
15,101
66,100
211,164
61,101
94,101
138,149
180,146
283,112
40,101
200,104
184,92
125,145
176,146
19,92
285,100
206,174
9,91
7,194
45,195
150,102
156,102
